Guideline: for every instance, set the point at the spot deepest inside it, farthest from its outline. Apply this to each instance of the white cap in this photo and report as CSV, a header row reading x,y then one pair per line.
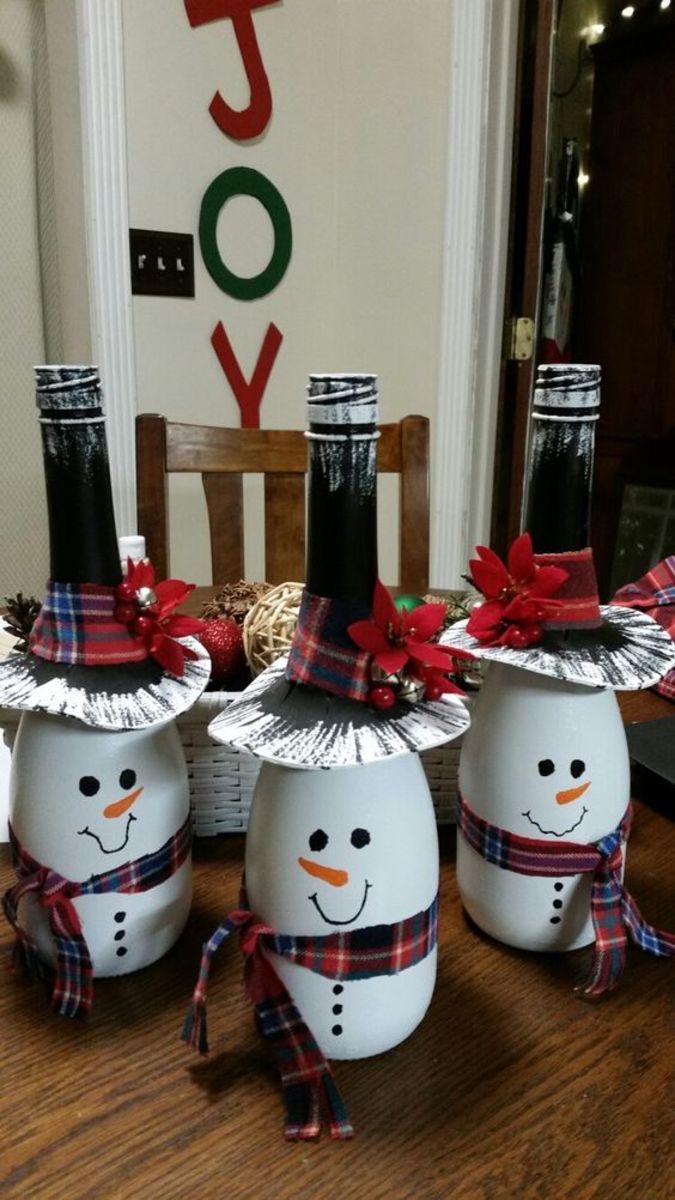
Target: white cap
x,y
132,546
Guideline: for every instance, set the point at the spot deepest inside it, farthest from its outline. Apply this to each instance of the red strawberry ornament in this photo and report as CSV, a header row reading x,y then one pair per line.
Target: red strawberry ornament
x,y
221,636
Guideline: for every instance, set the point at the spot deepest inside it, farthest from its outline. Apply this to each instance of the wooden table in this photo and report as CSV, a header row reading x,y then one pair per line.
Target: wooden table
x,y
511,1088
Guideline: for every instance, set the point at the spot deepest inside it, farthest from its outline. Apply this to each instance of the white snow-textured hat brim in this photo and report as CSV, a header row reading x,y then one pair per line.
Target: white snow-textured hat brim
x,y
630,651
126,697
298,726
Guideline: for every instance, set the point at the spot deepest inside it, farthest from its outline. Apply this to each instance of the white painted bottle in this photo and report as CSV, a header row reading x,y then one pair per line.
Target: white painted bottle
x,y
345,848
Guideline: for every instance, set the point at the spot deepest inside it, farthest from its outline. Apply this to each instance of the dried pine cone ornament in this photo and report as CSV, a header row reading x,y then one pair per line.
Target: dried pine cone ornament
x,y
20,617
234,600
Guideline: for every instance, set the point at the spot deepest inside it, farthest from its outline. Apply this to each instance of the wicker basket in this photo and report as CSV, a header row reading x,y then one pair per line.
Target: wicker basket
x,y
222,780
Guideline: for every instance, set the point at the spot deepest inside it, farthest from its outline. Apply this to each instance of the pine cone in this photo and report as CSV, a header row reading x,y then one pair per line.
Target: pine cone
x,y
20,617
234,600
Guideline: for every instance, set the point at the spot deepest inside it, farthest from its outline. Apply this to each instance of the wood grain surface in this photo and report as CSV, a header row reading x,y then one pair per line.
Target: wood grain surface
x,y
512,1087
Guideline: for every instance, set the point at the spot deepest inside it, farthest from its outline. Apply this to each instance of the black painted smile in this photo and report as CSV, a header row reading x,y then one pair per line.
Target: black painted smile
x,y
554,831
96,838
328,921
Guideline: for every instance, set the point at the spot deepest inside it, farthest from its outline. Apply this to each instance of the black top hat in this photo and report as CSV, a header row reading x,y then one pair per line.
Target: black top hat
x,y
352,649
103,650
541,610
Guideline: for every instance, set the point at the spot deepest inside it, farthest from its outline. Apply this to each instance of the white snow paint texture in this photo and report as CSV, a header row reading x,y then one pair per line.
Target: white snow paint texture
x,y
392,877
67,831
346,464
297,726
519,721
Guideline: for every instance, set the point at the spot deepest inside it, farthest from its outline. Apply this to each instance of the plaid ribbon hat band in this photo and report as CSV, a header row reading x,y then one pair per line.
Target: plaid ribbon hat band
x,y
577,596
309,1090
322,653
613,909
76,627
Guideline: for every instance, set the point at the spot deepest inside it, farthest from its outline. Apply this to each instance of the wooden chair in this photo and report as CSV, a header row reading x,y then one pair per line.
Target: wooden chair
x,y
222,456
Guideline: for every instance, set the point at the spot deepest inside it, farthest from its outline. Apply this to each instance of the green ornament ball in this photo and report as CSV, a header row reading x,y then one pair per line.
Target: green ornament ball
x,y
407,603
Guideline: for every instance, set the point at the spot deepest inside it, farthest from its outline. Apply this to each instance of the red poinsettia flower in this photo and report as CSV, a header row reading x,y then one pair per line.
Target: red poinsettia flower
x,y
151,620
397,638
517,598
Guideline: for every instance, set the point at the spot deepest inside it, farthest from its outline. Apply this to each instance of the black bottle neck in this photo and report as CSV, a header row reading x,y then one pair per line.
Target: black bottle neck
x,y
82,534
559,476
342,488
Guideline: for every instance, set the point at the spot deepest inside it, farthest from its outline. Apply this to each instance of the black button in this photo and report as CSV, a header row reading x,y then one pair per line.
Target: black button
x,y
121,951
120,933
554,921
119,917
337,1009
557,904
337,1030
338,989
558,886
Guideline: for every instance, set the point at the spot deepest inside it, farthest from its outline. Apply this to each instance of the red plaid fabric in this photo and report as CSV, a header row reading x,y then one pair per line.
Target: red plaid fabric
x,y
73,990
76,626
654,594
613,909
323,654
577,597
308,1086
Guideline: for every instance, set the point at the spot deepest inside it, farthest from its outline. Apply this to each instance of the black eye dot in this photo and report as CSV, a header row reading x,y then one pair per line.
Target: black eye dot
x,y
360,838
127,779
577,767
546,766
318,840
89,785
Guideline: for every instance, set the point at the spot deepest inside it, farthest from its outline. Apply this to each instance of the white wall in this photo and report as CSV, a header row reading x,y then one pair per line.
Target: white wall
x,y
357,148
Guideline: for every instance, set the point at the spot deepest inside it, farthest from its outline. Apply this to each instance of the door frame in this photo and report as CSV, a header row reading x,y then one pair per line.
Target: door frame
x,y
482,77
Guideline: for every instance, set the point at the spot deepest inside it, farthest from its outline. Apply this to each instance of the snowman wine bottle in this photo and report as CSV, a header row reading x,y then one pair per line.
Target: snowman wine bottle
x,y
544,770
98,805
342,862
352,846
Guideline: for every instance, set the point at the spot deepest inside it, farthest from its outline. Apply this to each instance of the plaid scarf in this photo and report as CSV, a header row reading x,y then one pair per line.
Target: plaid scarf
x,y
654,594
76,625
613,909
73,991
307,1081
322,652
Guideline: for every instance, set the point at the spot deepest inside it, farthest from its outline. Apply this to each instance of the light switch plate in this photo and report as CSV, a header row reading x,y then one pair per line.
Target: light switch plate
x,y
162,264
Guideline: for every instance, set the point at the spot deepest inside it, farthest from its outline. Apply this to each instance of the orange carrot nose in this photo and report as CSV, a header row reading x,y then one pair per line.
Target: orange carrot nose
x,y
571,794
120,806
328,874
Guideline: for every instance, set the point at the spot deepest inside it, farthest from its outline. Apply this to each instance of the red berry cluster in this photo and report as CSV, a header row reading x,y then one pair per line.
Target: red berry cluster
x,y
127,612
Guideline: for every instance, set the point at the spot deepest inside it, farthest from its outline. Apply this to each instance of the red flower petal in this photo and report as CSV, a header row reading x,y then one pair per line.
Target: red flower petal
x,y
485,616
169,654
142,574
426,620
391,660
367,636
521,559
384,609
548,580
429,654
171,593
489,578
180,626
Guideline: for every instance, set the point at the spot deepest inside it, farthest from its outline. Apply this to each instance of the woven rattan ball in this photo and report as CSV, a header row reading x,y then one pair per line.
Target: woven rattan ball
x,y
269,625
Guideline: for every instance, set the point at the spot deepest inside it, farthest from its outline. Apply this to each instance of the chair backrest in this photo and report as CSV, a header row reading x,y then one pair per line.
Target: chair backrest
x,y
223,456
